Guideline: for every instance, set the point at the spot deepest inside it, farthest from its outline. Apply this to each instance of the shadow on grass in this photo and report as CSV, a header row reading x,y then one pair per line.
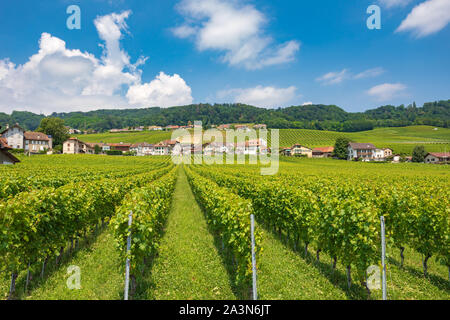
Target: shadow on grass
x,y
336,277
144,279
435,280
36,281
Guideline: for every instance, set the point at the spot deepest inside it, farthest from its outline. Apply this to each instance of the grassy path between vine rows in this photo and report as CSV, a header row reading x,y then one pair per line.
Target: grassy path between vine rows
x,y
284,275
188,265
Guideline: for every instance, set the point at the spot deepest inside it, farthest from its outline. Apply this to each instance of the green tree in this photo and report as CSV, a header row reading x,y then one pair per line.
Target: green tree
x,y
340,148
97,149
419,154
54,127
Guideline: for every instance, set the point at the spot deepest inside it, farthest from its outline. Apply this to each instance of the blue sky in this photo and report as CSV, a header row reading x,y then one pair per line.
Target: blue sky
x,y
143,53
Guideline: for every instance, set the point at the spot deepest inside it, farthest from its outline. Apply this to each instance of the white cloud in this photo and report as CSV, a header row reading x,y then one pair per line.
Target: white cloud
x,y
59,79
333,77
309,103
427,18
164,91
337,77
236,29
267,97
369,73
386,91
394,3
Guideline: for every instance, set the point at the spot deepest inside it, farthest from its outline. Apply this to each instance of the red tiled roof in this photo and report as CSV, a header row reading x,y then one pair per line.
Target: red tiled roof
x,y
4,144
324,149
119,144
93,144
36,136
359,146
141,144
440,154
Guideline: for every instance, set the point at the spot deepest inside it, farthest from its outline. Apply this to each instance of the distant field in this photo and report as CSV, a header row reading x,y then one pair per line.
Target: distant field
x,y
401,140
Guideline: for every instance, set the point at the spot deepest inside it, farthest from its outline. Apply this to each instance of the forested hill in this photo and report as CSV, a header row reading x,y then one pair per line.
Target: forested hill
x,y
321,117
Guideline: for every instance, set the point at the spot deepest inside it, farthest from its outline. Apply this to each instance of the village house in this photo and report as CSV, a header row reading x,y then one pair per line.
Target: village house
x,y
437,157
224,127
241,127
33,142
76,146
103,146
387,152
171,127
37,141
378,155
251,147
14,136
260,126
124,147
323,152
164,147
286,152
297,150
155,128
218,148
5,156
142,149
365,151
73,131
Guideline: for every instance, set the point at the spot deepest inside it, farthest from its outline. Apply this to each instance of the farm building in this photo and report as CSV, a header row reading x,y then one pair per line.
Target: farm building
x,y
323,152
142,149
33,142
365,151
37,141
5,156
437,157
298,150
124,147
76,146
14,136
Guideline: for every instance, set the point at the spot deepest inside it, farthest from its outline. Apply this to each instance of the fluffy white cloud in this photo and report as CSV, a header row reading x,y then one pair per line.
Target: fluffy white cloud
x,y
267,97
333,77
427,18
164,91
394,3
369,73
234,28
58,79
309,103
386,91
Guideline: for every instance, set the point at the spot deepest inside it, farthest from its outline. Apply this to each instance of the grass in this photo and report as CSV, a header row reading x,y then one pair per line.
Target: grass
x,y
102,274
407,283
400,139
130,137
285,275
188,265
101,270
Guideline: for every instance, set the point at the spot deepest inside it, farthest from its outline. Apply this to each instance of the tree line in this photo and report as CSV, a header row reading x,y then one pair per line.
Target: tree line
x,y
318,117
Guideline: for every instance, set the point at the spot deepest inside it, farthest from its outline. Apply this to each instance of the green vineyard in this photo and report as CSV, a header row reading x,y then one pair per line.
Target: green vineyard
x,y
317,229
401,140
